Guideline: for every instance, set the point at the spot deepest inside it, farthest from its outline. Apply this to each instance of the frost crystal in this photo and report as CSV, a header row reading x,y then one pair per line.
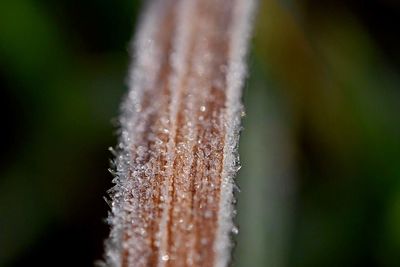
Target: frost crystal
x,y
172,203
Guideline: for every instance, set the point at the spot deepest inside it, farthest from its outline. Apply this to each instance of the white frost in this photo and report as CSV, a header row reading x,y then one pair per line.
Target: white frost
x,y
179,135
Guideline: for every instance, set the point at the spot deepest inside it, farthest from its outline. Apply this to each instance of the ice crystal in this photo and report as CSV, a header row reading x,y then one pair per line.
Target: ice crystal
x,y
172,203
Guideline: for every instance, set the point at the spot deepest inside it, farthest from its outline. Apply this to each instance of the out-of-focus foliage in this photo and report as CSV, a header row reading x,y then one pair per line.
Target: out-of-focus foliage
x,y
320,183
322,136
62,71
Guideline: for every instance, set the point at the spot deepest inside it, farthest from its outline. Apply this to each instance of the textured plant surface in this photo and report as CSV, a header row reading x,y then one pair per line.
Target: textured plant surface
x,y
172,203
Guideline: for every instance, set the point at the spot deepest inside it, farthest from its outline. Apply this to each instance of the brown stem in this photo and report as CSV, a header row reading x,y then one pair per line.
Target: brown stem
x,y
172,202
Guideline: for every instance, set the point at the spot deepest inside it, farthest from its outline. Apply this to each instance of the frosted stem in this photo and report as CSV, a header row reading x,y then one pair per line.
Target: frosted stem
x,y
172,203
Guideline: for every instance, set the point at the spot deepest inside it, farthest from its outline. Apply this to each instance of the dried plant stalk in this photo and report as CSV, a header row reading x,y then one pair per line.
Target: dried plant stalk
x,y
172,203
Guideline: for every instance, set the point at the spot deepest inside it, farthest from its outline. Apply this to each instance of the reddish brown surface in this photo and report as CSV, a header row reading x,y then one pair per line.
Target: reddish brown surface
x,y
181,230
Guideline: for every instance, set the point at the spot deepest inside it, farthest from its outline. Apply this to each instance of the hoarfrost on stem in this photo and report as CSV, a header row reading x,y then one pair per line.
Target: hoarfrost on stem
x,y
172,203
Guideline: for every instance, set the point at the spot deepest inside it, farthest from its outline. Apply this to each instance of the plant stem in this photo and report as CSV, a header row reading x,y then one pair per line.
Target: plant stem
x,y
172,203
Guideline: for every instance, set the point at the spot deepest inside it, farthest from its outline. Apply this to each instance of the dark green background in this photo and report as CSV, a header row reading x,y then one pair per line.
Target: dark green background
x,y
320,183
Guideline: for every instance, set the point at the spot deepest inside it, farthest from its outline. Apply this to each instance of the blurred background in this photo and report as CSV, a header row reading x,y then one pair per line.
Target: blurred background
x,y
320,183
